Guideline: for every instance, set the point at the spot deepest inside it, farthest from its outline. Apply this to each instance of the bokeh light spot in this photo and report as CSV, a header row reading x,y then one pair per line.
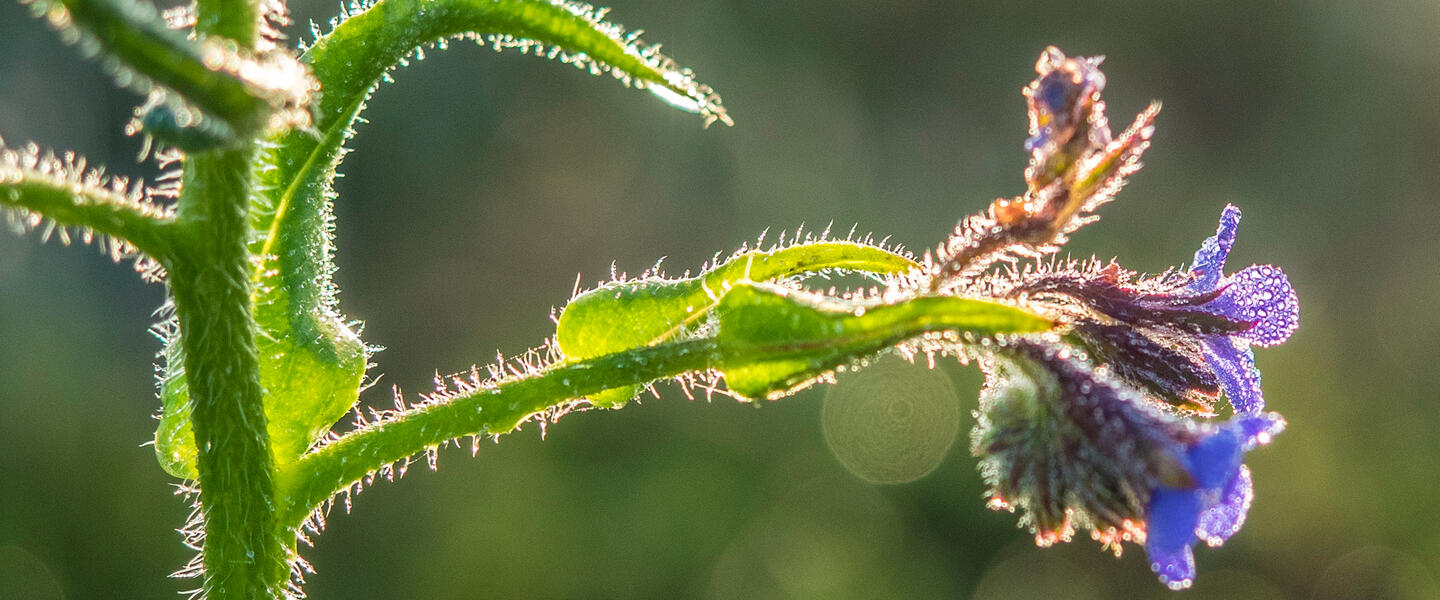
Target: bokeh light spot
x,y
24,575
892,422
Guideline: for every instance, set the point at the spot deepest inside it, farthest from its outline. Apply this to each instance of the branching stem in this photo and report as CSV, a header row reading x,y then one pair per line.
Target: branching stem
x,y
487,411
133,31
498,409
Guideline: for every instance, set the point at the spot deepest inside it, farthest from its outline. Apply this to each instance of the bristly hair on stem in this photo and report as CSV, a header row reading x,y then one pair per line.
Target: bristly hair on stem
x,y
62,197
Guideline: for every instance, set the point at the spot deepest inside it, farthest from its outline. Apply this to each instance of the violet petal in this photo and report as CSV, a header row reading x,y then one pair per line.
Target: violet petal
x,y
1257,430
1170,533
1209,264
1234,366
1214,460
1224,518
1260,294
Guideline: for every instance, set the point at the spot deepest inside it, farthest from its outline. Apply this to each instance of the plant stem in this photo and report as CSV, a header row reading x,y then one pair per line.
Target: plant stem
x,y
244,557
779,351
321,474
95,209
134,33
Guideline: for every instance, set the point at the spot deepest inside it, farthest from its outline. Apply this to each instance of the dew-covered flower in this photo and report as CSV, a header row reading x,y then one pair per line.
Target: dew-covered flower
x,y
1073,448
1073,429
1184,336
1260,295
1214,504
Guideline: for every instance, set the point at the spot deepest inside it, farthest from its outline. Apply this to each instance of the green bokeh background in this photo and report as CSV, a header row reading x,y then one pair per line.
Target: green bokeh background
x,y
484,183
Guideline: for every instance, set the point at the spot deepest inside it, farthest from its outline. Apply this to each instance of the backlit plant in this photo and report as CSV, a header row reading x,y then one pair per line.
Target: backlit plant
x,y
1101,404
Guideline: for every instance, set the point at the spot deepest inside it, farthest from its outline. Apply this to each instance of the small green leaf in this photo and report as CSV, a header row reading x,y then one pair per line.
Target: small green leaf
x,y
631,314
778,340
311,368
311,379
312,373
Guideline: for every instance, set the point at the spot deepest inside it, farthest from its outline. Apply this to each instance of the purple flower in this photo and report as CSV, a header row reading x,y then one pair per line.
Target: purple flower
x,y
1260,295
1213,507
1173,328
1071,447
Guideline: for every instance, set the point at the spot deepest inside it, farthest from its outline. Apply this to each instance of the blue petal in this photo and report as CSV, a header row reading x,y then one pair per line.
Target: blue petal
x,y
1260,294
1209,264
1172,518
1257,430
1215,459
1224,518
1234,366
1176,569
1053,90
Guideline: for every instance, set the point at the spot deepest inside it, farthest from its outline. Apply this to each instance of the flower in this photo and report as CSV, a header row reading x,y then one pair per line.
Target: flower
x,y
1072,447
1185,336
1076,165
1213,507
1260,295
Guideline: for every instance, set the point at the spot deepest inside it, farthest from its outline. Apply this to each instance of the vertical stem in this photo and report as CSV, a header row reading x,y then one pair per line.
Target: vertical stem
x,y
244,554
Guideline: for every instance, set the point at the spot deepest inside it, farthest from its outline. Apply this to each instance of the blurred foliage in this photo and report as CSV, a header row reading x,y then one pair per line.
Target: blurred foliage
x,y
485,182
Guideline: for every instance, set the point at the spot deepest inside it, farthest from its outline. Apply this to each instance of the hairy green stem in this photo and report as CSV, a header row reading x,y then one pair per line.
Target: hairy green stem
x,y
134,33
321,474
95,209
244,557
782,354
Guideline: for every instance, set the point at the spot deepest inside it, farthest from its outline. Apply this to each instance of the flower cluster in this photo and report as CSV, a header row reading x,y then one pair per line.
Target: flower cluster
x,y
1180,335
1109,424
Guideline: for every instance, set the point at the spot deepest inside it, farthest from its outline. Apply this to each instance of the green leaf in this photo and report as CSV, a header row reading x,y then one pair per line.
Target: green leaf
x,y
632,314
311,373
296,310
350,60
293,215
778,340
312,365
